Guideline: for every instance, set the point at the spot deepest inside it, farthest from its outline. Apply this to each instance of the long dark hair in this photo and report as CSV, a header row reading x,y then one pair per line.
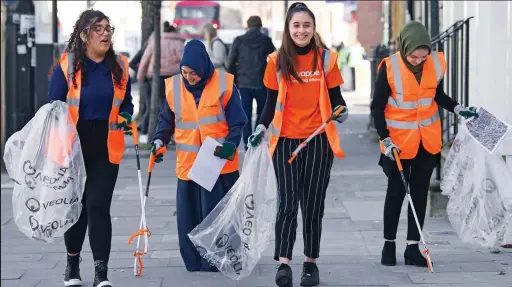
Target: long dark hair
x,y
287,53
78,48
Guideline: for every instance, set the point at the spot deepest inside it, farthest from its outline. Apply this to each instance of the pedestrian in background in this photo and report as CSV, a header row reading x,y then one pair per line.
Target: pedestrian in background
x,y
247,60
300,97
342,56
96,86
145,85
201,102
216,48
171,52
405,111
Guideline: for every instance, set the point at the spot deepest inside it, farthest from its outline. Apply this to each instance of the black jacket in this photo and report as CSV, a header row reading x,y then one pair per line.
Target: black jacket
x,y
247,58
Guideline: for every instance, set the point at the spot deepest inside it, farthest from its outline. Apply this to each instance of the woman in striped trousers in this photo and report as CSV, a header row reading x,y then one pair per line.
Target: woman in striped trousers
x,y
303,84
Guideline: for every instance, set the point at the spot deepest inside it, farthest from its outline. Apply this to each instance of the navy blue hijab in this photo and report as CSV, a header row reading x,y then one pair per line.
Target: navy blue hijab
x,y
196,58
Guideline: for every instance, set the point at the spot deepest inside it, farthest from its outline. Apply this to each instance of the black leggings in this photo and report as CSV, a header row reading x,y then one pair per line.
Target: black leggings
x,y
417,172
99,188
303,181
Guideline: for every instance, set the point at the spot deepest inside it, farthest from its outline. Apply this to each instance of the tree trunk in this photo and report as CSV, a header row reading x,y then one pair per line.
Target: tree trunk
x,y
146,28
156,94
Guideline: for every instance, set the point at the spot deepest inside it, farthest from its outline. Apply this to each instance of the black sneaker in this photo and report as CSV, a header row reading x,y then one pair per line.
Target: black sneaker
x,y
413,256
72,273
100,274
388,254
310,274
284,276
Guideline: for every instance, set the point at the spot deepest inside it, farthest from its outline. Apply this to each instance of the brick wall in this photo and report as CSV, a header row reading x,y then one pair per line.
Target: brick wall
x,y
369,25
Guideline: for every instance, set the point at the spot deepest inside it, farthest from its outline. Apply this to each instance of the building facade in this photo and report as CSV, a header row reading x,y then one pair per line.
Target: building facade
x,y
490,57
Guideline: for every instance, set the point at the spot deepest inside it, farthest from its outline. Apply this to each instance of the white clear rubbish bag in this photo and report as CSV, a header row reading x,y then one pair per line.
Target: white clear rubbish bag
x,y
238,230
45,161
479,187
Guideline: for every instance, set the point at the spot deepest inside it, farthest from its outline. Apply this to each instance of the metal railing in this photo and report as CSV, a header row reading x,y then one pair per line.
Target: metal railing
x,y
454,42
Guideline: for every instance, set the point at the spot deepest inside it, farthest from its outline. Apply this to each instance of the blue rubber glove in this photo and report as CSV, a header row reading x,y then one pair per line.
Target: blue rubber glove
x,y
257,137
125,122
343,116
466,112
389,146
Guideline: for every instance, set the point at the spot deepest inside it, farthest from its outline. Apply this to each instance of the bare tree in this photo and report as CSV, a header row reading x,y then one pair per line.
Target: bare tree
x,y
146,29
156,94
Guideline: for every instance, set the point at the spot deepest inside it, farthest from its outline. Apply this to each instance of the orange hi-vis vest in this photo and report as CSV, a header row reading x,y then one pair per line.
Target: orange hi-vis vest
x,y
195,123
115,140
329,60
411,113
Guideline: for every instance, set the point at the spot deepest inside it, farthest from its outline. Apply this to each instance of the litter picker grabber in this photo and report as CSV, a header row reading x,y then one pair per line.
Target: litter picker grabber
x,y
425,250
143,230
304,143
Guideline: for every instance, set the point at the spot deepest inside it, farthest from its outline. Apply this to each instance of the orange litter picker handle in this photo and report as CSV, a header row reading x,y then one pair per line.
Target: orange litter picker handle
x,y
135,133
338,111
294,155
305,142
398,162
296,152
151,163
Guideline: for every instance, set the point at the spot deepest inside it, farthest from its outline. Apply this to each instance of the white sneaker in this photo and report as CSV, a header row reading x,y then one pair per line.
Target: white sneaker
x,y
143,139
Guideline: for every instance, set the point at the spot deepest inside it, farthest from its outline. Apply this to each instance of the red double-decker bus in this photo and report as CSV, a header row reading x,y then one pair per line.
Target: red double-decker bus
x,y
190,17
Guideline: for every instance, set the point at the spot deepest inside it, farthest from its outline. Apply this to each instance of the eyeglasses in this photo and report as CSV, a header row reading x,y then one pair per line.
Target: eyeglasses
x,y
100,30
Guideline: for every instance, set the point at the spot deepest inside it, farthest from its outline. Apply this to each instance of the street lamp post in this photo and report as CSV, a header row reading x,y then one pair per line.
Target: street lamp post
x,y
285,7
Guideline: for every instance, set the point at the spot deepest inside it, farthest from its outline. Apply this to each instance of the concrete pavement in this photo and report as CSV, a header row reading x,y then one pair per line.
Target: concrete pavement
x,y
351,242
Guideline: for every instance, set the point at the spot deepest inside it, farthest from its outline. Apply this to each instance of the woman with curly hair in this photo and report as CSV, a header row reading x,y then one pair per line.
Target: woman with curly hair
x,y
95,84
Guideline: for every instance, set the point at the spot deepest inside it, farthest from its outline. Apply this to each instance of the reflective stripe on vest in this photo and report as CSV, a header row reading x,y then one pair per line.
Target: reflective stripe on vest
x,y
182,125
74,102
326,55
412,125
406,105
399,89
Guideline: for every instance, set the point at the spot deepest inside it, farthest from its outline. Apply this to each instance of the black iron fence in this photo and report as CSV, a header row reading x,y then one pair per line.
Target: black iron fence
x,y
377,55
454,43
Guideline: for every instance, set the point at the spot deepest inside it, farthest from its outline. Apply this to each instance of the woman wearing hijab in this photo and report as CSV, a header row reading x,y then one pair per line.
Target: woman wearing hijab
x,y
200,102
405,111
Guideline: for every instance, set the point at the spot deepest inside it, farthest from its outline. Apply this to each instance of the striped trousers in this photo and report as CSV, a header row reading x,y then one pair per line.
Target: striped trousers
x,y
303,181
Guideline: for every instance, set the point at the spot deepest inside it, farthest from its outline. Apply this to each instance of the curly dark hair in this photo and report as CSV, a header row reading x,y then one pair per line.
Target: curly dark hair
x,y
78,48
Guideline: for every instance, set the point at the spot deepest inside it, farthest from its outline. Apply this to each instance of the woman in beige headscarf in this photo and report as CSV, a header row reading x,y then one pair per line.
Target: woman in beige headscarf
x,y
405,111
215,47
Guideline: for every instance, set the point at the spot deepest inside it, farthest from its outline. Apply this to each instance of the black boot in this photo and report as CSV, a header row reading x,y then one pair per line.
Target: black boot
x,y
388,254
310,274
413,256
100,274
284,276
72,274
